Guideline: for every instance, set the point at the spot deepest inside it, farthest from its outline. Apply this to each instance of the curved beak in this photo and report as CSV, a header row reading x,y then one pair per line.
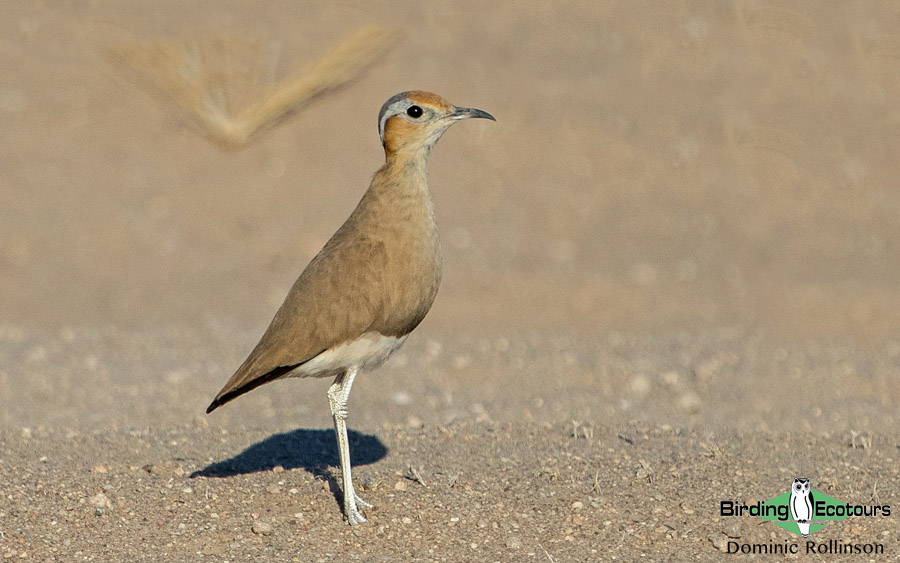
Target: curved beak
x,y
468,113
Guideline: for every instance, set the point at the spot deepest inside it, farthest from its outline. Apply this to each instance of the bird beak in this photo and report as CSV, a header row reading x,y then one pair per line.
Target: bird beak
x,y
468,113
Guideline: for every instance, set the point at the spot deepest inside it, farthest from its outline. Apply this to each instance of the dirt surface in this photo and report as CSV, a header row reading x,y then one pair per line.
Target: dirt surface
x,y
461,492
670,280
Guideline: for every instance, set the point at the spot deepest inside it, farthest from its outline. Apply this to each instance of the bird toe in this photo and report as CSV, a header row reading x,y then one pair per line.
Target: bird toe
x,y
361,502
355,517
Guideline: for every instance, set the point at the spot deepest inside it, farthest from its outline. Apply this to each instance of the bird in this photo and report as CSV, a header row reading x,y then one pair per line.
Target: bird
x,y
802,502
373,282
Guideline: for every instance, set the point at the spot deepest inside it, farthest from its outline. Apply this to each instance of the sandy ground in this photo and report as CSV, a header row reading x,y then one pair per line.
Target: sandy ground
x,y
670,280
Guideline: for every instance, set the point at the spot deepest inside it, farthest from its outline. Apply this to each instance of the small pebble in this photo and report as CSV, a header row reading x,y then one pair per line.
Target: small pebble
x,y
433,348
670,378
640,385
262,528
689,402
101,503
719,543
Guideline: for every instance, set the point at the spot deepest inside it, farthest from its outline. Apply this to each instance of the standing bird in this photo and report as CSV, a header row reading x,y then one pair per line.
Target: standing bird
x,y
372,283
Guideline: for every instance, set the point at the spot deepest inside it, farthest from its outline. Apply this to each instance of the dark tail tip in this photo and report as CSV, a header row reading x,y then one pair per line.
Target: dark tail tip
x,y
271,375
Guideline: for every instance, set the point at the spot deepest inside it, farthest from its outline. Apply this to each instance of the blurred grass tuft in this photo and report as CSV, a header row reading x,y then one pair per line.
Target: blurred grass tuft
x,y
225,86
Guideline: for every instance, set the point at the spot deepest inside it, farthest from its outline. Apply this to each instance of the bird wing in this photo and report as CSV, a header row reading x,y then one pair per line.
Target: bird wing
x,y
335,299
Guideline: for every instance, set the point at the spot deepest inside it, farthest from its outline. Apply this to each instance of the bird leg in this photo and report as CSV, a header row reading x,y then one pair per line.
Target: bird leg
x,y
338,394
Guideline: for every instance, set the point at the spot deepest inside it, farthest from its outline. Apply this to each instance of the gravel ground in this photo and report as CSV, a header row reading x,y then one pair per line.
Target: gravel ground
x,y
458,468
466,491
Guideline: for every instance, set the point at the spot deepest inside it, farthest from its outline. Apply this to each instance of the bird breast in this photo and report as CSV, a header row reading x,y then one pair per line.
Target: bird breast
x,y
398,212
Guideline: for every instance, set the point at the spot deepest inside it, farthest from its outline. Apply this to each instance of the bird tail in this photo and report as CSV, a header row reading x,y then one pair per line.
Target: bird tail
x,y
242,381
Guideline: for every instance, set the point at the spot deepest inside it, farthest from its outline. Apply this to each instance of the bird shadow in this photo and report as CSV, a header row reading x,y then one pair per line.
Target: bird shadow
x,y
313,450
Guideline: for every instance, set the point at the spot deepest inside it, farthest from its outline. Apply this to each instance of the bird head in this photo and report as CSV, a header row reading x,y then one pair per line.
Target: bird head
x,y
415,120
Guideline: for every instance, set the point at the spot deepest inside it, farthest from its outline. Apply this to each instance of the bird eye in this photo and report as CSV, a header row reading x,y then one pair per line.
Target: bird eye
x,y
414,111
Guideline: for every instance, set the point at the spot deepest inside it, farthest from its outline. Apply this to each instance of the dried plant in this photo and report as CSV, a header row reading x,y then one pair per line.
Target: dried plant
x,y
226,87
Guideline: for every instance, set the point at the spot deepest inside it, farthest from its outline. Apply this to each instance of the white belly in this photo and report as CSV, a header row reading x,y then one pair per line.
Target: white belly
x,y
366,352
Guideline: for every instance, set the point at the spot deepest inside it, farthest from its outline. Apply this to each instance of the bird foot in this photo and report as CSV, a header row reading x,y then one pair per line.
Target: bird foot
x,y
351,509
354,516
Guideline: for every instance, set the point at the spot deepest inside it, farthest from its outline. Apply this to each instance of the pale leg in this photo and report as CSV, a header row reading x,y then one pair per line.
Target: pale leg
x,y
338,394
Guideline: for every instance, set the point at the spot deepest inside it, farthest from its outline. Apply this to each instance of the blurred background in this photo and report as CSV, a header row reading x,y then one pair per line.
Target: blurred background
x,y
690,205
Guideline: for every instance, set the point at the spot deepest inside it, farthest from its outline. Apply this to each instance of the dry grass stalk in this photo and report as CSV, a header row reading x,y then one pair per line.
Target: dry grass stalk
x,y
225,86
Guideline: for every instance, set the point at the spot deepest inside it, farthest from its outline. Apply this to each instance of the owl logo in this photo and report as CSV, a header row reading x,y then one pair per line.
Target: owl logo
x,y
802,505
